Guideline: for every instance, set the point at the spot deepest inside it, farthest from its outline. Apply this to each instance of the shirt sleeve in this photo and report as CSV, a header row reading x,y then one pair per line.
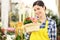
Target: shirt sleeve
x,y
53,31
27,36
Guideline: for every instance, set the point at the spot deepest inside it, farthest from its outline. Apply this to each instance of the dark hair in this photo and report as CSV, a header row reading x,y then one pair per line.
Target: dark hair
x,y
39,3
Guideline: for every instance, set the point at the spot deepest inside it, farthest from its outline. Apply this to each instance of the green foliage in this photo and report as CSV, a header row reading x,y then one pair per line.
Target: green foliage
x,y
0,33
10,33
27,20
18,37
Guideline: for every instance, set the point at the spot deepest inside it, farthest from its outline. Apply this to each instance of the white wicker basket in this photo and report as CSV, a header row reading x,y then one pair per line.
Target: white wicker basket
x,y
32,27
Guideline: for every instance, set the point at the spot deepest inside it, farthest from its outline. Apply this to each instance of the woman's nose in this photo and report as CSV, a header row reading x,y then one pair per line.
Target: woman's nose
x,y
37,12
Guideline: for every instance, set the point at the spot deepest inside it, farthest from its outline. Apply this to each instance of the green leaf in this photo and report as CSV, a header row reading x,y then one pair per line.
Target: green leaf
x,y
18,37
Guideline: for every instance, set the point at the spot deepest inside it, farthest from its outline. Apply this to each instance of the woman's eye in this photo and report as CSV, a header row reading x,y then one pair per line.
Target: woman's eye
x,y
38,8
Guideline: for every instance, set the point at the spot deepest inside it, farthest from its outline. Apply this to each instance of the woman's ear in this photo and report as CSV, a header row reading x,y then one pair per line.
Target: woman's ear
x,y
44,7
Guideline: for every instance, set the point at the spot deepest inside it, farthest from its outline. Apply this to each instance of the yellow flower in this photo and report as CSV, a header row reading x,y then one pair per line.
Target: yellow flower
x,y
19,27
19,24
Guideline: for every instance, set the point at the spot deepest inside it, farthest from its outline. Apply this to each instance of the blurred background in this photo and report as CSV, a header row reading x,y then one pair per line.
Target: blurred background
x,y
14,11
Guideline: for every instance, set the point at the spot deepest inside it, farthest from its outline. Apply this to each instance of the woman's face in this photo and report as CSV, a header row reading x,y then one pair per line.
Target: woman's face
x,y
39,11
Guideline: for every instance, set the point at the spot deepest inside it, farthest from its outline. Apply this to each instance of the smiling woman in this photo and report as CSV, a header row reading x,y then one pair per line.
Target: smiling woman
x,y
47,29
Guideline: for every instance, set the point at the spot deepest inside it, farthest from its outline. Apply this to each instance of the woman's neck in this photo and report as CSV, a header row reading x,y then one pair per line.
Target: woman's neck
x,y
42,19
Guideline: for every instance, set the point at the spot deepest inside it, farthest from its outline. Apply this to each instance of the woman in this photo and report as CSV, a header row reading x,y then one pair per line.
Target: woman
x,y
47,29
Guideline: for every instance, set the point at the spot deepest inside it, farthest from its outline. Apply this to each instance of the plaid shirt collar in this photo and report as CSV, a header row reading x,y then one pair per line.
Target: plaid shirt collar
x,y
43,24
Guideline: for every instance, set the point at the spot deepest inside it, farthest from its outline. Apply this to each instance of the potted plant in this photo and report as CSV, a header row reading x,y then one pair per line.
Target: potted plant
x,y
2,35
10,33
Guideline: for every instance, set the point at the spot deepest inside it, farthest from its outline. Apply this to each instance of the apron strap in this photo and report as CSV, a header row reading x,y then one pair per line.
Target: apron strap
x,y
46,26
